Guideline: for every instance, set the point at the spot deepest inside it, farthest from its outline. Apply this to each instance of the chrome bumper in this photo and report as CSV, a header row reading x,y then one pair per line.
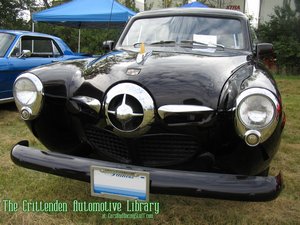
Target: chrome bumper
x,y
164,181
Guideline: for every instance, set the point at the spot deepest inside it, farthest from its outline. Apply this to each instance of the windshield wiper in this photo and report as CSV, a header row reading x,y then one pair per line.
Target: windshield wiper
x,y
138,44
202,43
162,42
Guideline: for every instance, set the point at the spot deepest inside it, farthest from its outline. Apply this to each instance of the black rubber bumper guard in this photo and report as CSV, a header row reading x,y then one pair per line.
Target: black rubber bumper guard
x,y
163,181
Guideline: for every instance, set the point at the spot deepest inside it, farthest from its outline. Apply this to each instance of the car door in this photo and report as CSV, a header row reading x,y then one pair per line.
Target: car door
x,y
7,41
4,78
43,50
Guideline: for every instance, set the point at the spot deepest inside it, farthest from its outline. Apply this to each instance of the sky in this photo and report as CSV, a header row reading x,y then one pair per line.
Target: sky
x,y
252,8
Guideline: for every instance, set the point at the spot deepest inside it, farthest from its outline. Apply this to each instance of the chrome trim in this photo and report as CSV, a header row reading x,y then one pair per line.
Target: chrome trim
x,y
265,131
19,38
6,100
36,106
16,43
169,110
251,132
93,103
133,71
124,112
26,116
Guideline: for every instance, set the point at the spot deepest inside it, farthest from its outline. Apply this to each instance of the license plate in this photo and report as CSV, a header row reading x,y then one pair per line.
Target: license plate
x,y
119,184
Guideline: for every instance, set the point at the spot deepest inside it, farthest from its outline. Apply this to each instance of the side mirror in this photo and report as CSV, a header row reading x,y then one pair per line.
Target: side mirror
x,y
108,45
25,54
264,50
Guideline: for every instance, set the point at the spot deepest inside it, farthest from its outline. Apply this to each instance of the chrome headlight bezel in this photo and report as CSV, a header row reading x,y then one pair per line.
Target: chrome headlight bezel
x,y
29,109
265,130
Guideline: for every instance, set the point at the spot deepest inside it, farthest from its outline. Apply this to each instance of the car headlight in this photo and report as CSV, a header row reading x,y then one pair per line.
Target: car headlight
x,y
28,94
256,111
256,115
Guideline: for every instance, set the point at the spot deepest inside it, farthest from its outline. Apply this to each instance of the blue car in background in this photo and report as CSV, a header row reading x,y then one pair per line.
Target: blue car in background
x,y
23,50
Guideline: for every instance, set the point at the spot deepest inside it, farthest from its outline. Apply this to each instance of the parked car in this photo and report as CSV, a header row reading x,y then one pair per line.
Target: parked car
x,y
182,105
23,50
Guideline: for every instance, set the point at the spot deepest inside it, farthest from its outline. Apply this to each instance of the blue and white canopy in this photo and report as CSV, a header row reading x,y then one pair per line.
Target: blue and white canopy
x,y
85,13
194,4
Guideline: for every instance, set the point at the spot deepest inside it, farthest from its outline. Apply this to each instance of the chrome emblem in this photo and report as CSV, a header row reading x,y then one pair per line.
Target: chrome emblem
x,y
142,57
124,112
129,109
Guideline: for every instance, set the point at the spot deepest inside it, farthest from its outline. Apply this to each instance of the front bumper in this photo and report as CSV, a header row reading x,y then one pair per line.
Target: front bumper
x,y
199,184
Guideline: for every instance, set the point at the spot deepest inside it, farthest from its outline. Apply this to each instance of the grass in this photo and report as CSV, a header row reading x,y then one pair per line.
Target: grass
x,y
19,184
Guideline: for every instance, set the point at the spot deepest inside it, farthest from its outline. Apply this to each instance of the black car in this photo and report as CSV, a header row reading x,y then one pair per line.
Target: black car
x,y
181,105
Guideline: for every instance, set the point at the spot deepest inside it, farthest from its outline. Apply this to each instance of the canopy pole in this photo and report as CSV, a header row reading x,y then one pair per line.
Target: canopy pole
x,y
79,34
32,26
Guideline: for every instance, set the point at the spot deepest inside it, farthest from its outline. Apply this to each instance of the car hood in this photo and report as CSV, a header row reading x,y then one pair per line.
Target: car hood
x,y
171,78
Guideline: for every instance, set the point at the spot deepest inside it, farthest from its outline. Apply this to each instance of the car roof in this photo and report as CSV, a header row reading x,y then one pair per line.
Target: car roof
x,y
23,32
193,11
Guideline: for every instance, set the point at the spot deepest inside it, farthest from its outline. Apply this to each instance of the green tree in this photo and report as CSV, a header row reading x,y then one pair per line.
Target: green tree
x,y
167,3
10,13
216,3
283,31
297,4
130,4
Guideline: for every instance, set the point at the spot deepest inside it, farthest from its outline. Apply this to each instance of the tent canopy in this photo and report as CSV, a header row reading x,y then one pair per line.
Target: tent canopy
x,y
85,13
194,4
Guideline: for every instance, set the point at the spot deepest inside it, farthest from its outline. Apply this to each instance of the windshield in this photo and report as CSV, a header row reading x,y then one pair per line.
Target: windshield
x,y
5,42
187,32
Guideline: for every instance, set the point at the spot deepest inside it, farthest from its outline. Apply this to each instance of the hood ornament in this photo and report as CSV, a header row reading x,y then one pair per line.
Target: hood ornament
x,y
143,55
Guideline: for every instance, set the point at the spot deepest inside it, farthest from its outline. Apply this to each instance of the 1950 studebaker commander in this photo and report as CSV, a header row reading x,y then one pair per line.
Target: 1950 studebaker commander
x,y
181,105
